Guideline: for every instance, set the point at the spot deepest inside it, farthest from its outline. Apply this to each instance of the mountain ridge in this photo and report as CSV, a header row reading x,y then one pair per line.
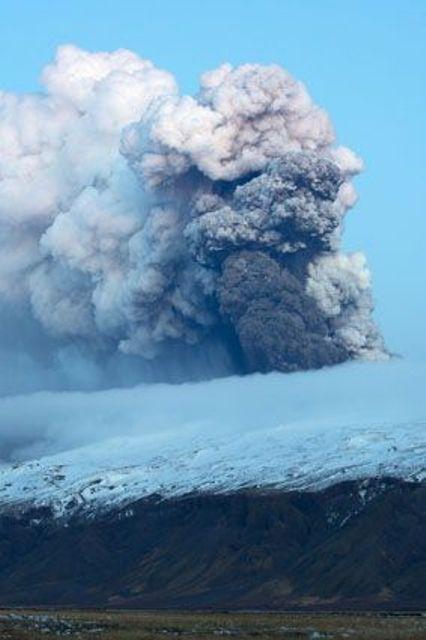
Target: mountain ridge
x,y
315,518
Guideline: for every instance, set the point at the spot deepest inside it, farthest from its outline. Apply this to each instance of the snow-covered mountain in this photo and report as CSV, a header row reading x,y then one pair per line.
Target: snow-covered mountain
x,y
121,470
263,491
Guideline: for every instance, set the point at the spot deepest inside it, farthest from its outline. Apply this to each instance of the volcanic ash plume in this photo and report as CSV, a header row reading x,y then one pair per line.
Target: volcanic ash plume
x,y
135,220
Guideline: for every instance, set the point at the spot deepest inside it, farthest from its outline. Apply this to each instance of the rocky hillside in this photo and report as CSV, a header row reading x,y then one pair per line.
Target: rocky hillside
x,y
356,544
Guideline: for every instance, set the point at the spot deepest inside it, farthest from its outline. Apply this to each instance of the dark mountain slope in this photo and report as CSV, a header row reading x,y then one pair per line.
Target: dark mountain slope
x,y
356,544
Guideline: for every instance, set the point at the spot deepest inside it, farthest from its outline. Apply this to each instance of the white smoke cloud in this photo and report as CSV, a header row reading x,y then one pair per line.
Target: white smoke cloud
x,y
241,118
341,285
68,203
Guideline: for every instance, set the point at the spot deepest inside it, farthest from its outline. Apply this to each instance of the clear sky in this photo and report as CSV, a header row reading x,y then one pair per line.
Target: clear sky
x,y
364,61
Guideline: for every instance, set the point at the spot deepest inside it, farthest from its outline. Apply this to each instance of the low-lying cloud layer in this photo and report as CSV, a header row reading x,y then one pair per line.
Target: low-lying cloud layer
x,y
147,235
374,394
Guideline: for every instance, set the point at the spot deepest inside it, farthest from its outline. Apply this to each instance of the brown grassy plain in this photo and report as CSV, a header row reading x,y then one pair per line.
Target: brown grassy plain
x,y
143,625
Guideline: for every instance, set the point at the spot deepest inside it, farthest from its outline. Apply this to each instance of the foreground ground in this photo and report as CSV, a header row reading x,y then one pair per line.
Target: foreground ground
x,y
124,625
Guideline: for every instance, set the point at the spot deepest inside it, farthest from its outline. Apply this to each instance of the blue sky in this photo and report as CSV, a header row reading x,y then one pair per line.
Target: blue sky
x,y
363,61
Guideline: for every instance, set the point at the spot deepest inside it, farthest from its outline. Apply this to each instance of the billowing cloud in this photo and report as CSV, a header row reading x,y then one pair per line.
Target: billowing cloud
x,y
141,223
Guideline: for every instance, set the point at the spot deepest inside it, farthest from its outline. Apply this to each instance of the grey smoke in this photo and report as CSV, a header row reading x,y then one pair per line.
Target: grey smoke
x,y
270,311
178,237
289,208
